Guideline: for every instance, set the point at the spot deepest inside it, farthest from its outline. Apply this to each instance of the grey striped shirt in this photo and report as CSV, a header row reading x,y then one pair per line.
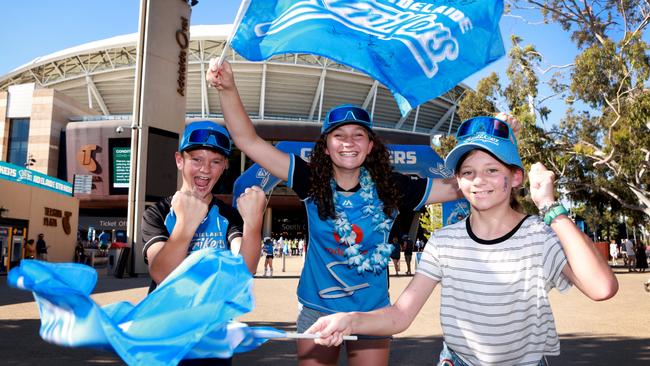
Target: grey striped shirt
x,y
494,301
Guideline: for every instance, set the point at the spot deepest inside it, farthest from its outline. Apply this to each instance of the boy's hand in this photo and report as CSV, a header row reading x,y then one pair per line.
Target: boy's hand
x,y
251,204
190,210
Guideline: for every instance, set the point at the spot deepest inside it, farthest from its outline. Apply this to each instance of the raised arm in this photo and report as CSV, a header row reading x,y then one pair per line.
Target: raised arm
x,y
586,268
241,127
382,322
250,205
444,190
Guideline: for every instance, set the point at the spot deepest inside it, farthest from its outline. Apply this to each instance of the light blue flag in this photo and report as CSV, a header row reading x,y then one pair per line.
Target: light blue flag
x,y
187,316
417,49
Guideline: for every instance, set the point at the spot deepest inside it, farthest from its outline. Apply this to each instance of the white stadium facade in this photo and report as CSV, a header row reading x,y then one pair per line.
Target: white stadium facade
x,y
90,87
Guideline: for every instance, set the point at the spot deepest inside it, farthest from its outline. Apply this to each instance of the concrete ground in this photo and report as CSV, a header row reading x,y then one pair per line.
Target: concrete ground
x,y
613,332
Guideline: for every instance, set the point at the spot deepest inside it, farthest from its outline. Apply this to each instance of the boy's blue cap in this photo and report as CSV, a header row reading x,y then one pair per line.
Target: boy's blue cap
x,y
344,115
207,135
504,149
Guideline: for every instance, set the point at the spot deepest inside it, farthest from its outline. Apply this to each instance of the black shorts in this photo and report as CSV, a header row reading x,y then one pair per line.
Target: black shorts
x,y
269,256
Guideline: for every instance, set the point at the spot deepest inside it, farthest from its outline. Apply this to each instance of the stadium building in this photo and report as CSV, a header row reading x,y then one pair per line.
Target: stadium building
x,y
68,114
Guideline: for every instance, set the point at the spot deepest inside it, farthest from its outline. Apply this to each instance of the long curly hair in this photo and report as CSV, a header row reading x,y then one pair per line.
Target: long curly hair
x,y
378,165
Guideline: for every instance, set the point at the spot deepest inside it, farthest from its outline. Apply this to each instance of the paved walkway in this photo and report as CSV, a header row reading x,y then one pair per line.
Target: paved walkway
x,y
614,332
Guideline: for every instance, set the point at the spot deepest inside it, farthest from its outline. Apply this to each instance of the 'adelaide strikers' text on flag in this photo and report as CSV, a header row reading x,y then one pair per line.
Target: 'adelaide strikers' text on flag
x,y
417,49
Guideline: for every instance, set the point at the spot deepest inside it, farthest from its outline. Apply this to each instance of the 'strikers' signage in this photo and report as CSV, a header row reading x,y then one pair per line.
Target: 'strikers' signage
x,y
30,177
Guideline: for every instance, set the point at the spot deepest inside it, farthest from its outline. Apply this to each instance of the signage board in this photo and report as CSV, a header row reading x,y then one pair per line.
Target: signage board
x,y
30,177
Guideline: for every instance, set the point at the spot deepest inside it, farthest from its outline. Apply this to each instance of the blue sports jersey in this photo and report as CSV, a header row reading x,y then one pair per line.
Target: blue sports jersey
x,y
268,247
220,227
327,283
211,233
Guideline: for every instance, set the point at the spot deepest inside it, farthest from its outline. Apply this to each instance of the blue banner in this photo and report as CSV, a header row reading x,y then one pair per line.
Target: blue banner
x,y
417,49
30,177
420,160
188,316
454,211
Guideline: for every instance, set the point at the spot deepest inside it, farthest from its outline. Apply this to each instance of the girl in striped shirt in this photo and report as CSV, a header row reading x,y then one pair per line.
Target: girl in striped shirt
x,y
495,267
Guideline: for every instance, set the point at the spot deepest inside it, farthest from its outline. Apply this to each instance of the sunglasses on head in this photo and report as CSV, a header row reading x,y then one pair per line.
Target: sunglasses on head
x,y
348,113
203,136
488,125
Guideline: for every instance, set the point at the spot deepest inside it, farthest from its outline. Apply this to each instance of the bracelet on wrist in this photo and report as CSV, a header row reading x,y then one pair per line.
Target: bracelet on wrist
x,y
554,212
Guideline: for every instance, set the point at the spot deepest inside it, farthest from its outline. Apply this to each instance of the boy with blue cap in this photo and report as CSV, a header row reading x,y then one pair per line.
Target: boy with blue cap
x,y
495,266
193,218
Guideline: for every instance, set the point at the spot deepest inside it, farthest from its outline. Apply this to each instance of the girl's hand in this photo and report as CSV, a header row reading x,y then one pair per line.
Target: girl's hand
x,y
332,328
510,120
220,77
542,185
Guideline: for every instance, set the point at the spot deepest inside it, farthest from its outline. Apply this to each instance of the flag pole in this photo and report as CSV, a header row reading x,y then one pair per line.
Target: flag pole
x,y
240,14
315,336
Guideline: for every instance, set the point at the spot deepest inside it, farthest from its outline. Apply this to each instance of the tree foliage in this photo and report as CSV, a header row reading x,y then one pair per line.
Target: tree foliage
x,y
431,219
601,155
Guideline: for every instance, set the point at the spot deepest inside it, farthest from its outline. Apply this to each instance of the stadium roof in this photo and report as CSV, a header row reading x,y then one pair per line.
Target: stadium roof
x,y
288,88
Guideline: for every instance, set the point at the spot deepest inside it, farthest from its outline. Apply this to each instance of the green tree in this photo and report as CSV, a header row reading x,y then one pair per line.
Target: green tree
x,y
431,219
601,155
610,74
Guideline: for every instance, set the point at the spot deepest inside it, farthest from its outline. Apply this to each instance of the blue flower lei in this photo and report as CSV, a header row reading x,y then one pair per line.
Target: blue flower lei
x,y
377,260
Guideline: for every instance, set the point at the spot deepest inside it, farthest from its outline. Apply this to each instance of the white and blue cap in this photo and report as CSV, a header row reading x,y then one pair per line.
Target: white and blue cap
x,y
206,135
487,133
344,115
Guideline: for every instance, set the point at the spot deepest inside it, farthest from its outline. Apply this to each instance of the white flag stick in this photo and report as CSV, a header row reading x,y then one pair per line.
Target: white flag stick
x,y
240,14
278,334
315,336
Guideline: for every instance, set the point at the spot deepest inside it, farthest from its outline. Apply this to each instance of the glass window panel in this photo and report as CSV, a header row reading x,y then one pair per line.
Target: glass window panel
x,y
18,140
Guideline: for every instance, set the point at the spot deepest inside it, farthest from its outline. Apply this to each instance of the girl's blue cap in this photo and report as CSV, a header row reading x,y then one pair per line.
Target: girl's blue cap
x,y
487,133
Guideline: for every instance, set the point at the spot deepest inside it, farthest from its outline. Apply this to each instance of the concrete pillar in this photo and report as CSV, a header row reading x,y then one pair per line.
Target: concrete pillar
x,y
268,221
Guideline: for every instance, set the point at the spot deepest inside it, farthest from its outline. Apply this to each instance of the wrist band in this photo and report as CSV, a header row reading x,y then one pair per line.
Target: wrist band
x,y
554,212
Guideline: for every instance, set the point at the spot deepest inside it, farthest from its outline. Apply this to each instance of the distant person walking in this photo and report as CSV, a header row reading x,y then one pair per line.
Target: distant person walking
x,y
268,262
30,249
104,238
407,247
41,248
631,255
613,251
419,245
395,255
641,257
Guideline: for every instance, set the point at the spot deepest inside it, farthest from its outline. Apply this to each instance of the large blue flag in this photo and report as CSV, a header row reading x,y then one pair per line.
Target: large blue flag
x,y
188,316
417,49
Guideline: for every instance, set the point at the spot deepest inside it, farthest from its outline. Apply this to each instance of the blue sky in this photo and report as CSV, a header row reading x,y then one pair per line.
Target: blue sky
x,y
33,28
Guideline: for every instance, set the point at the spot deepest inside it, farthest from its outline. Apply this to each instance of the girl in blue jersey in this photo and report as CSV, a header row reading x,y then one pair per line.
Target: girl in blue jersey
x,y
352,197
496,266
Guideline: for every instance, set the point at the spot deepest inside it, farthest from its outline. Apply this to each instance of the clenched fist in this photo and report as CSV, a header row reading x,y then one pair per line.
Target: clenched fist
x,y
220,76
189,208
542,184
251,205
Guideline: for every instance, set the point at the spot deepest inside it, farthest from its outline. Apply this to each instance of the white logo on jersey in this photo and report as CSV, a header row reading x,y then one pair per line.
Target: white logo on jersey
x,y
347,204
